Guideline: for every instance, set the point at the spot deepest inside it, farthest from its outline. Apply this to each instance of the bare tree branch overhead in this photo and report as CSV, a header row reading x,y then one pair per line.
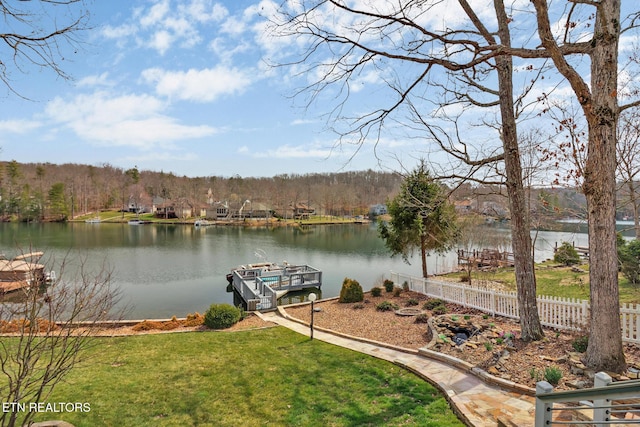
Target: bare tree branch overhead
x,y
40,34
448,69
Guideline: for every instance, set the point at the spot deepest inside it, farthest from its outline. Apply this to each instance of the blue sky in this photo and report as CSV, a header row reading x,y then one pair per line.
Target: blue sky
x,y
181,86
188,87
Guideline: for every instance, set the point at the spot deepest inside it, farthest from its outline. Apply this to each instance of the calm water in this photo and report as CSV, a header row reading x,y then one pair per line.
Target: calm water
x,y
166,270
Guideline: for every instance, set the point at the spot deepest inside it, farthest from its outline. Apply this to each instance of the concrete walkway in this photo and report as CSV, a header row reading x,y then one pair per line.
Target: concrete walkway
x,y
479,404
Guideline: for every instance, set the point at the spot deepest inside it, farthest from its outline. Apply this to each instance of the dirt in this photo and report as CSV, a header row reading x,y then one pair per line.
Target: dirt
x,y
496,346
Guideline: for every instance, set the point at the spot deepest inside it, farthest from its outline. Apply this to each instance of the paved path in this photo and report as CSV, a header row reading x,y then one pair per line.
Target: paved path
x,y
478,403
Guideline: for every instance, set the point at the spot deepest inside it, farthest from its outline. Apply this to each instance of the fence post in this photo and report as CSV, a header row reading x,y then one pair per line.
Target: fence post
x,y
543,410
585,313
602,407
493,302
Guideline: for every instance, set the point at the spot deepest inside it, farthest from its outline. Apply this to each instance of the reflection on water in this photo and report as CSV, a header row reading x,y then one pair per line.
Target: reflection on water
x,y
166,270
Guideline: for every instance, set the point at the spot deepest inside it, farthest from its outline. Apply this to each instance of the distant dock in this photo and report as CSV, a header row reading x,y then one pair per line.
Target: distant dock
x,y
485,258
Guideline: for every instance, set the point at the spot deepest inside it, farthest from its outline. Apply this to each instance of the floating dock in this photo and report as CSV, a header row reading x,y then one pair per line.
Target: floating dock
x,y
261,285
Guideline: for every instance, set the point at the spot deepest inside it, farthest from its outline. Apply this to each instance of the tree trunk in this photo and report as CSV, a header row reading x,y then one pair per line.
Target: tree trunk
x,y
423,254
634,206
605,350
531,329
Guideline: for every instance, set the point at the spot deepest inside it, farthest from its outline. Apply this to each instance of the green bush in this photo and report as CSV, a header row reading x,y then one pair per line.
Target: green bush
x,y
351,291
387,306
388,285
552,375
566,254
405,286
580,344
411,302
439,309
629,260
222,316
432,303
376,291
422,318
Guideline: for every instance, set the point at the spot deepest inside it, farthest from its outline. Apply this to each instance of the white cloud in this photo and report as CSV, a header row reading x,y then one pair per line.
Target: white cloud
x,y
295,152
96,80
126,120
156,14
18,126
198,85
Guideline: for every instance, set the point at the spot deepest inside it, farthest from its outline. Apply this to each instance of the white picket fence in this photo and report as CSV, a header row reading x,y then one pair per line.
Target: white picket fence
x,y
554,312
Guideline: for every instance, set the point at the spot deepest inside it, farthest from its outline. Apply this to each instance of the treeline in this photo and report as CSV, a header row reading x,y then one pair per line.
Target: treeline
x,y
45,191
51,192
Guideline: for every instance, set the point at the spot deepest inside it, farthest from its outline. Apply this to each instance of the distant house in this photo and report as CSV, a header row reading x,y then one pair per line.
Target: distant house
x,y
464,206
377,210
302,211
172,210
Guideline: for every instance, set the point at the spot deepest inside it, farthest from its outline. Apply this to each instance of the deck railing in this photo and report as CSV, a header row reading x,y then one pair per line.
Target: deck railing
x,y
607,403
554,312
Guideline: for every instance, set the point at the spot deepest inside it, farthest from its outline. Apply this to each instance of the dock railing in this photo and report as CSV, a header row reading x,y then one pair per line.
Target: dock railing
x,y
607,403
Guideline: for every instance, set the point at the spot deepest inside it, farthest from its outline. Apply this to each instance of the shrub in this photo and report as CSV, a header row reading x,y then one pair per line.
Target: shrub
x,y
552,375
195,319
439,309
351,291
629,260
388,285
411,302
376,291
432,303
405,286
566,254
422,318
580,344
387,306
397,292
221,316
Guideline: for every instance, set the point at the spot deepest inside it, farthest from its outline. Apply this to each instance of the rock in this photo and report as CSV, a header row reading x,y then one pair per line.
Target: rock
x,y
577,384
493,371
576,371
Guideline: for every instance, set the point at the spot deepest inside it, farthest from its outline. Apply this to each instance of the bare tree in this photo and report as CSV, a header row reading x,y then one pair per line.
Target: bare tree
x,y
47,330
400,42
628,151
413,55
599,103
41,34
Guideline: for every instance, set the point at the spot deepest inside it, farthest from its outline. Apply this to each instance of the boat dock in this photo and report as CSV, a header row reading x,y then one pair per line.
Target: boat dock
x,y
485,258
261,285
21,272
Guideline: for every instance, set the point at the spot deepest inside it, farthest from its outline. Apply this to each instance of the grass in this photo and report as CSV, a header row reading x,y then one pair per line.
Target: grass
x,y
553,280
272,376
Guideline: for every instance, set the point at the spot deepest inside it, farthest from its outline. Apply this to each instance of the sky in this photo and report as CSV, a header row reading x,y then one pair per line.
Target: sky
x,y
191,87
180,86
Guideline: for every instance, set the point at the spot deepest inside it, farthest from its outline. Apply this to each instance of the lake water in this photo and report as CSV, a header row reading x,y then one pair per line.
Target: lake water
x,y
166,270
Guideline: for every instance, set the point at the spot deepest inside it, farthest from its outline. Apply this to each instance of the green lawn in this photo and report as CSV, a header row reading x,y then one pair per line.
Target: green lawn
x,y
269,377
552,280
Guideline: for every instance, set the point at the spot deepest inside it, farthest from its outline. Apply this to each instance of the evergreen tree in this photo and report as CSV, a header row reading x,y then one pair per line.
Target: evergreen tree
x,y
421,218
